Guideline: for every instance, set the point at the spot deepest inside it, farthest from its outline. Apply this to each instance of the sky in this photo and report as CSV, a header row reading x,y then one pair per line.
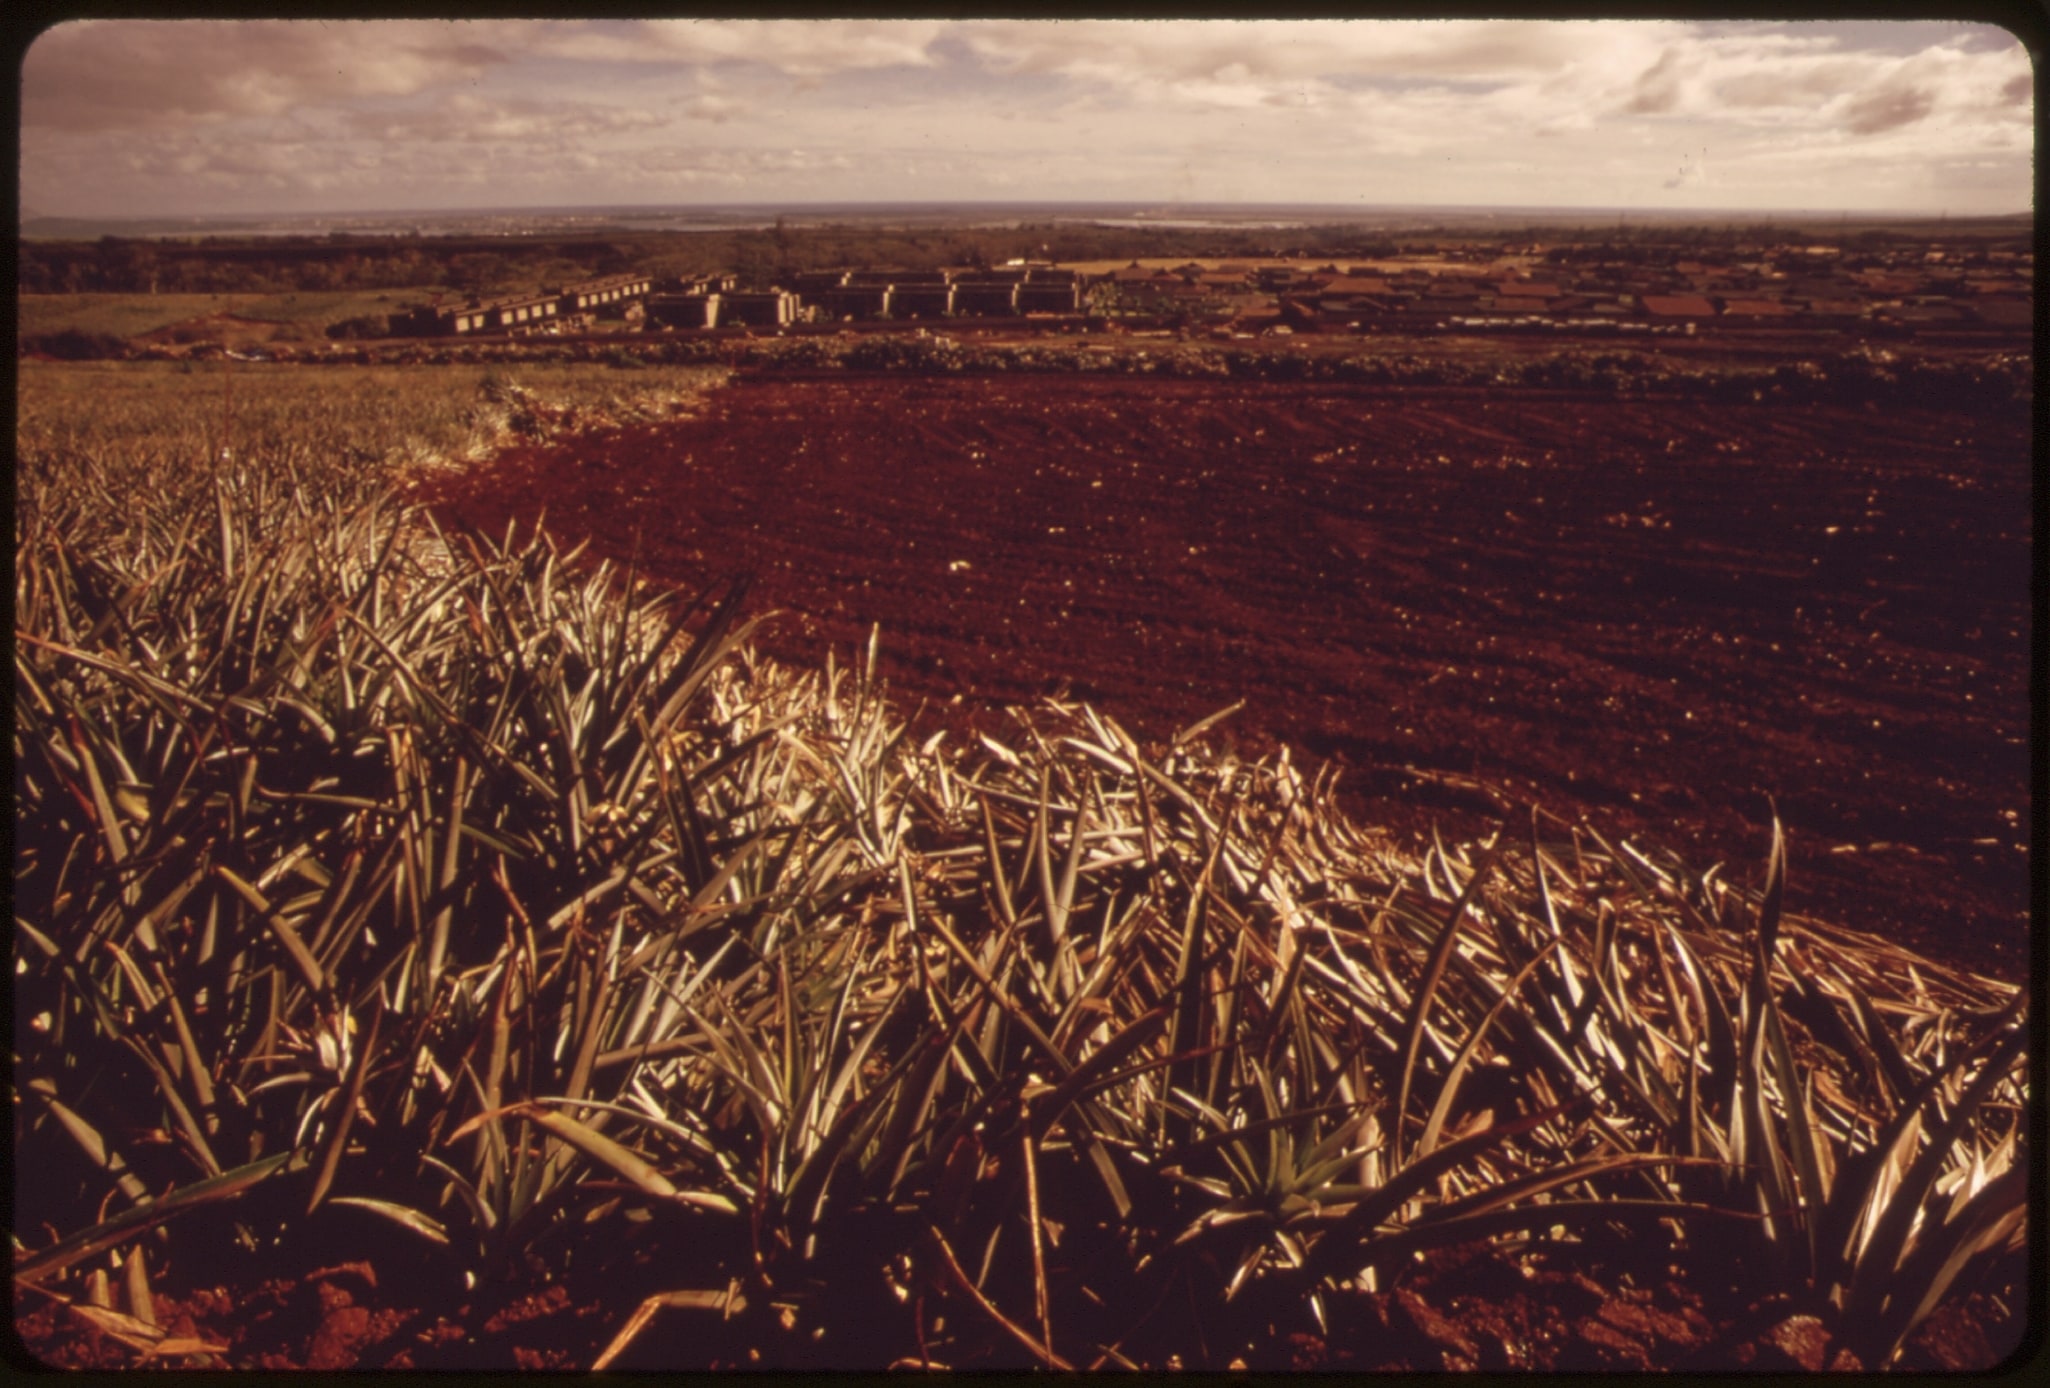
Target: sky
x,y
195,117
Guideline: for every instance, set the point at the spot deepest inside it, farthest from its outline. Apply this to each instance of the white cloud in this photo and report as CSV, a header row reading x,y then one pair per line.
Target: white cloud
x,y
807,48
1384,111
711,107
466,118
1151,55
118,74
1768,80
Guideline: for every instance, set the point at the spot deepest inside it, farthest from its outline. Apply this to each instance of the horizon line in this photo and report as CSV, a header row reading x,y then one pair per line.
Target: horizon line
x,y
1128,208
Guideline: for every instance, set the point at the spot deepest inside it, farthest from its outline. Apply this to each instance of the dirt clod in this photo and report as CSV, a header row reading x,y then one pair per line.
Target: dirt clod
x,y
1798,1342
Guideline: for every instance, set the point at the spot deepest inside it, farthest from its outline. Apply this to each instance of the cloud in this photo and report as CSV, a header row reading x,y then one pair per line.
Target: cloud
x,y
113,74
1886,108
804,48
1389,111
1782,85
1147,54
467,118
708,107
1658,88
733,168
1806,83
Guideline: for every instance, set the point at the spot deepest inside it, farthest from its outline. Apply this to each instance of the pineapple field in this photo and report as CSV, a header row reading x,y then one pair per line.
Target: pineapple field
x,y
567,867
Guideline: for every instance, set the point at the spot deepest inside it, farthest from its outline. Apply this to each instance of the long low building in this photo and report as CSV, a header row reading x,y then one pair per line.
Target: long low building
x,y
477,316
683,310
769,309
920,300
857,294
981,296
521,310
856,301
1050,296
584,296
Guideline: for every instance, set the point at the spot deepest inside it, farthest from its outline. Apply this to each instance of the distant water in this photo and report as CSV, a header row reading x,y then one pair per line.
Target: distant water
x,y
598,220
1185,223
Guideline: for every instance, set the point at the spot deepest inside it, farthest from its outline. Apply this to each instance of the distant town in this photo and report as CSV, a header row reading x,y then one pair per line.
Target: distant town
x,y
1786,287
1579,289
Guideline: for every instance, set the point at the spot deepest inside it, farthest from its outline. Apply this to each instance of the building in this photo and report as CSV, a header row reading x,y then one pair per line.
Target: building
x,y
684,310
1050,291
857,301
590,296
771,308
506,315
519,313
994,295
920,299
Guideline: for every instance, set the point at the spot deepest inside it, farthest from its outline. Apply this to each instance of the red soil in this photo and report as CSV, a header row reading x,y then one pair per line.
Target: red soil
x,y
1656,614
1470,1307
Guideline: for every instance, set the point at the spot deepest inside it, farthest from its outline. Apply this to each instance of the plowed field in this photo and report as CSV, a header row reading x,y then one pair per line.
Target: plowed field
x,y
1656,614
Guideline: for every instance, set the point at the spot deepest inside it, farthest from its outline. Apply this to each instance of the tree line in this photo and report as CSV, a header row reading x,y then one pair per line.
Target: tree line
x,y
501,264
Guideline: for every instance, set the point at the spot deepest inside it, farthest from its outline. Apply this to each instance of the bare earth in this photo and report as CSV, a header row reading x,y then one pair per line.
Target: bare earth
x,y
1655,614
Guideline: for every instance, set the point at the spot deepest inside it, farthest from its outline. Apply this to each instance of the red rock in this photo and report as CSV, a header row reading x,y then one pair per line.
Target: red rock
x,y
341,1335
1796,1342
1649,1323
1575,1291
1500,1351
1421,1319
1605,1347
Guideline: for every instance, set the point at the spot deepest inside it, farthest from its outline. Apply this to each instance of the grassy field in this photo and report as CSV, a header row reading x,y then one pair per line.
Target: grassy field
x,y
121,315
162,420
451,883
132,315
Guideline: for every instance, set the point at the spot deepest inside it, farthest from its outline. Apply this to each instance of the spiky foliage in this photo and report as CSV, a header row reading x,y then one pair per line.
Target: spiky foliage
x,y
493,895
